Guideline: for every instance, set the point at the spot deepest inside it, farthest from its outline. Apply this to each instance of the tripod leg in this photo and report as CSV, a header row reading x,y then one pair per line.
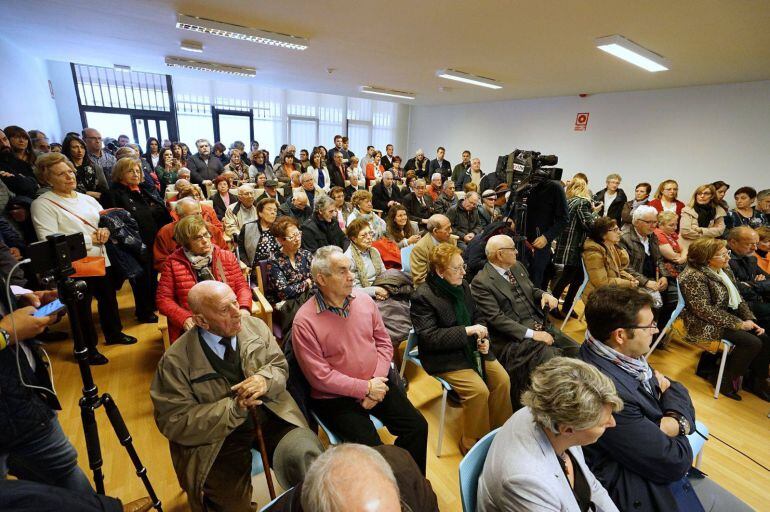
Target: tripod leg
x,y
91,431
119,426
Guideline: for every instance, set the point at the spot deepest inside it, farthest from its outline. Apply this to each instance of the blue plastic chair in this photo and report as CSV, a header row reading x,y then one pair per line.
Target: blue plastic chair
x,y
411,354
577,295
697,441
267,507
334,439
406,253
470,470
674,316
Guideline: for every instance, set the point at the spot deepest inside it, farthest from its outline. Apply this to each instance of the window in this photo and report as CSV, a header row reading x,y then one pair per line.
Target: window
x,y
303,133
360,135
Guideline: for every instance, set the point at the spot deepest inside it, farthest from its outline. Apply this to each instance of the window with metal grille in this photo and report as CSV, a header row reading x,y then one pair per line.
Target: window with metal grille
x,y
112,88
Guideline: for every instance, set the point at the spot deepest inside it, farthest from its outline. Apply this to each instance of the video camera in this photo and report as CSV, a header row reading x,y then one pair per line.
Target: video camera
x,y
526,167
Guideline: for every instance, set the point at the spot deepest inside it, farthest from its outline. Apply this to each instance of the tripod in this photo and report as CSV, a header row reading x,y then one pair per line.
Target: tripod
x,y
71,293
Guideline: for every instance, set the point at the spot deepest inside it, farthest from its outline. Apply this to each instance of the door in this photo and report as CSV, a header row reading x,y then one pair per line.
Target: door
x,y
232,125
150,126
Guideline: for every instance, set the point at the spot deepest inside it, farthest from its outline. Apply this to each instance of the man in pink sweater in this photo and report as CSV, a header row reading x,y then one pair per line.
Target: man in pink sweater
x,y
344,351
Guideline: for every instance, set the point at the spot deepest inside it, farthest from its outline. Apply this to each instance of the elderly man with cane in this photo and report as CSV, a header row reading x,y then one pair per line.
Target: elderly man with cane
x,y
216,386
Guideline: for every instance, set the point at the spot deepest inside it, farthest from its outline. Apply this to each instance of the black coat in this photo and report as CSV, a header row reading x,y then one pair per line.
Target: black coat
x,y
547,213
148,210
421,169
745,270
635,461
441,340
219,205
415,210
200,171
380,197
616,208
316,234
23,182
445,168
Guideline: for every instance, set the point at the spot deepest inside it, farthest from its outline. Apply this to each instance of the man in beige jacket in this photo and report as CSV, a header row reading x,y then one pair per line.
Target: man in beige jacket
x,y
204,387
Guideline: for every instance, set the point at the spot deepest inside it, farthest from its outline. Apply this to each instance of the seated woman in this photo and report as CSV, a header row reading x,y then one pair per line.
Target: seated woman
x,y
223,197
715,310
702,217
256,243
196,259
290,269
90,178
569,405
744,213
367,263
668,241
363,208
763,248
64,210
237,167
455,347
399,234
605,262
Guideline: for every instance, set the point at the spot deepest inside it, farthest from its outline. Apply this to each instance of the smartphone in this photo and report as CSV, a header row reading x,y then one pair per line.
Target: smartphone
x,y
50,309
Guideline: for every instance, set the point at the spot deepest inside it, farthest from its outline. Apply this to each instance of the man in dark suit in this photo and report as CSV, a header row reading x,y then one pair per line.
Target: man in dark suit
x,y
338,148
203,166
418,204
512,309
645,461
440,165
385,193
337,171
613,198
387,159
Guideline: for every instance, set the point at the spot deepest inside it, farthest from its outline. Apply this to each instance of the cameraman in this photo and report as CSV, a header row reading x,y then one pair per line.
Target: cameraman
x,y
547,216
32,443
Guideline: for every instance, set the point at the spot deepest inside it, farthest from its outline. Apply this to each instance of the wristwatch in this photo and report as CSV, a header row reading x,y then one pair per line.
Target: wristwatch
x,y
5,338
684,424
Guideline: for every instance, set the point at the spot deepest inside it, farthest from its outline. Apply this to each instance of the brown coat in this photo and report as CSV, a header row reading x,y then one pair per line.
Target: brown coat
x,y
689,231
606,265
706,313
195,409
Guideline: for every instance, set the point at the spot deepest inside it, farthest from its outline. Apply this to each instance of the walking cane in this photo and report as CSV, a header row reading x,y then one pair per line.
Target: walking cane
x,y
263,452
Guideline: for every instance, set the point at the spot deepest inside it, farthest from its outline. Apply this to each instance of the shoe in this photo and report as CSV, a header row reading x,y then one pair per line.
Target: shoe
x,y
140,505
49,335
97,359
732,395
758,387
149,319
121,339
557,314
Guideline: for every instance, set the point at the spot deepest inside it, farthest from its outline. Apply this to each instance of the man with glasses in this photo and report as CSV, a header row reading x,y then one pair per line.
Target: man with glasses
x,y
204,167
753,282
464,217
240,213
96,153
514,311
645,462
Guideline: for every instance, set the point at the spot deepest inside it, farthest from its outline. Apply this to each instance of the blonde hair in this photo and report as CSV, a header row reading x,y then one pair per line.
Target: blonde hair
x,y
187,228
764,233
659,192
703,249
44,163
123,166
569,392
360,196
578,188
667,216
708,186
441,255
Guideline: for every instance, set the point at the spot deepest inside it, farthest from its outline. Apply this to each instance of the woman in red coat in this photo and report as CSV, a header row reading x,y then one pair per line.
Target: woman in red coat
x,y
197,259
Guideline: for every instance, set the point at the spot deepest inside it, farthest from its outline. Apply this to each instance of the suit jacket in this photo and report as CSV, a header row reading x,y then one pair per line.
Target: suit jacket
x,y
445,168
380,197
200,170
522,472
635,460
219,205
386,162
195,408
418,259
416,211
506,320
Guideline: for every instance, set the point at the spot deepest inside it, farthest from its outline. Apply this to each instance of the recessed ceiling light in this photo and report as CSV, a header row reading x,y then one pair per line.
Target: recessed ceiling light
x,y
202,65
392,93
191,46
460,76
629,51
254,35
122,67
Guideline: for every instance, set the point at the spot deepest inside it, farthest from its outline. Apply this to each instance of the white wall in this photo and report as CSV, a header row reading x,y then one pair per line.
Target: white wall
x,y
60,74
24,96
694,134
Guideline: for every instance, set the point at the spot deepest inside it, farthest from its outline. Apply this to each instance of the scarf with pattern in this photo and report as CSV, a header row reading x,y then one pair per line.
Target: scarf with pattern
x,y
638,368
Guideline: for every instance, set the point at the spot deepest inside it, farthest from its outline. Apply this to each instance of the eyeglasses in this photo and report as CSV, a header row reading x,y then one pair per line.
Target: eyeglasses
x,y
200,238
703,194
615,229
649,222
295,236
725,256
653,325
138,172
462,268
367,234
508,249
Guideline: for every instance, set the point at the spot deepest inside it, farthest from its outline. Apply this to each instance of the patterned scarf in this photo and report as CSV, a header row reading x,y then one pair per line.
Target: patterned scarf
x,y
358,261
638,368
201,265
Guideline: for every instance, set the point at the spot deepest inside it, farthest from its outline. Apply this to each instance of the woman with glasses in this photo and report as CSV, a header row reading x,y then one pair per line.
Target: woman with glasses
x,y
604,260
196,259
702,217
290,276
665,198
367,263
715,310
454,345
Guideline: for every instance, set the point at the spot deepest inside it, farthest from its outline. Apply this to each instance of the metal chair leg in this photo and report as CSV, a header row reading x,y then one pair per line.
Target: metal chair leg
x,y
441,422
725,349
699,458
657,342
566,318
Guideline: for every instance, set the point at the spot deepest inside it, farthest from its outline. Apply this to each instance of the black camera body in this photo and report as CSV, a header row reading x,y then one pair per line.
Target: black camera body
x,y
526,167
56,253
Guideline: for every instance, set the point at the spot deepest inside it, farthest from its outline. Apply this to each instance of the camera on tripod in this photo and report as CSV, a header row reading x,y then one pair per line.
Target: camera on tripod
x,y
56,254
526,167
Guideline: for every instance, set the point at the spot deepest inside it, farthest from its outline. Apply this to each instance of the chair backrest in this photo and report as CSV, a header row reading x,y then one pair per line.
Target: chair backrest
x,y
411,342
585,280
470,470
171,194
207,202
406,253
460,195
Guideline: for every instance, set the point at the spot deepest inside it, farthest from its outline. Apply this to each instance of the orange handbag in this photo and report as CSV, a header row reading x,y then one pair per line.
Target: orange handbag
x,y
90,266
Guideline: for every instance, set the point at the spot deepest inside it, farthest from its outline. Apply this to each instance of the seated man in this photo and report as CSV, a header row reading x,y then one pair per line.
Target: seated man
x,y
645,462
385,193
439,230
447,198
753,282
344,351
240,213
312,191
207,394
164,241
322,228
512,310
297,206
434,189
419,205
464,217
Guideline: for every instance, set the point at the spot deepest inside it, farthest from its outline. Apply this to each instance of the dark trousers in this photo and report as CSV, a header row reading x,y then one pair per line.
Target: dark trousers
x,y
537,264
26,496
350,421
101,289
751,352
571,276
145,287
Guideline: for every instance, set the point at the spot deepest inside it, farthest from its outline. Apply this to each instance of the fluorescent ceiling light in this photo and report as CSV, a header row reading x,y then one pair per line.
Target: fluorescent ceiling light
x,y
122,67
467,78
191,46
392,93
217,28
202,65
629,51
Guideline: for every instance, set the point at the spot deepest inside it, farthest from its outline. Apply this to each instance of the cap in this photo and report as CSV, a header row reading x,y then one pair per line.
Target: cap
x,y
271,183
488,193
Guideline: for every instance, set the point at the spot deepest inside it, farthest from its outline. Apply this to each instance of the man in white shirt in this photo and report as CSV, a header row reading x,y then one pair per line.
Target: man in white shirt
x,y
612,198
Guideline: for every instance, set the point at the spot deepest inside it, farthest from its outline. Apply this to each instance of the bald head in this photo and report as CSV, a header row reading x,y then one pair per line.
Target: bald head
x,y
187,206
215,308
501,251
205,292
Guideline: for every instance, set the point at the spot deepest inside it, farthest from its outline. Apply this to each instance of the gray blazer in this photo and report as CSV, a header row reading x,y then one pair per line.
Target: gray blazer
x,y
522,473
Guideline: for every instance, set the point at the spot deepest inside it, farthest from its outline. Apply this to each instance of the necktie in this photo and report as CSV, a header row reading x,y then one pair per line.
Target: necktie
x,y
230,355
321,179
511,279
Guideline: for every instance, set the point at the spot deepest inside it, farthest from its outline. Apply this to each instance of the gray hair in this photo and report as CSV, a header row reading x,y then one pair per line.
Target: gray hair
x,y
569,392
643,210
201,141
322,260
179,206
299,195
387,174
419,152
331,474
763,194
184,170
434,221
419,182
246,187
447,184
322,202
737,232
435,175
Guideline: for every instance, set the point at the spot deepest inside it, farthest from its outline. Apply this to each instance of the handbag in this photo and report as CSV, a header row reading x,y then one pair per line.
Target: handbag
x,y
90,266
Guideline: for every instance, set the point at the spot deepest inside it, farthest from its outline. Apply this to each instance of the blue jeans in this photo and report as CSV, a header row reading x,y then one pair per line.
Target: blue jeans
x,y
48,458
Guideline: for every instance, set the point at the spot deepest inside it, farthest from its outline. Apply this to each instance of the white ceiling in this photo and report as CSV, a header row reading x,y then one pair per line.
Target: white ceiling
x,y
536,48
